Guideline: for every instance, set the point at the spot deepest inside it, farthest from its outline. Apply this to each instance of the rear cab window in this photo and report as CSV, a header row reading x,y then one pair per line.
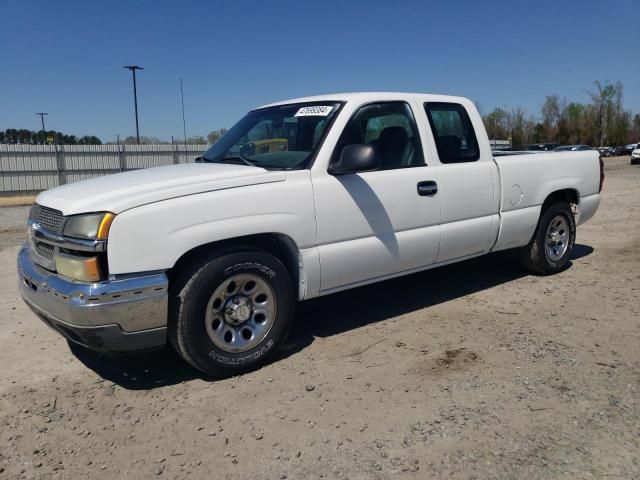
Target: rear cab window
x,y
455,139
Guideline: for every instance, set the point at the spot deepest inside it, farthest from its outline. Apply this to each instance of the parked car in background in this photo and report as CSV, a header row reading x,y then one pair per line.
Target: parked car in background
x,y
635,155
619,151
606,151
629,148
572,148
543,146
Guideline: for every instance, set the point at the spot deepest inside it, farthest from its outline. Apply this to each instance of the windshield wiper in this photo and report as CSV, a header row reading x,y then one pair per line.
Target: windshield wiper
x,y
244,160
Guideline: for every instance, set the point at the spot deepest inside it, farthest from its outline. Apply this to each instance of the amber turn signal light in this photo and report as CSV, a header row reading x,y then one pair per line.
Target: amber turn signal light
x,y
105,225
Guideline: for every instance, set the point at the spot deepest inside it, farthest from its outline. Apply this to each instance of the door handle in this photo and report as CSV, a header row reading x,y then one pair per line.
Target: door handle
x,y
427,189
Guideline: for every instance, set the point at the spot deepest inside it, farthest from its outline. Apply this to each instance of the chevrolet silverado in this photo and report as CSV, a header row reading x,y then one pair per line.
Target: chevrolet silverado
x,y
299,199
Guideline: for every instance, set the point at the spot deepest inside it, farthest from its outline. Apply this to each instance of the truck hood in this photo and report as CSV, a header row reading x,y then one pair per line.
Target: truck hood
x,y
122,191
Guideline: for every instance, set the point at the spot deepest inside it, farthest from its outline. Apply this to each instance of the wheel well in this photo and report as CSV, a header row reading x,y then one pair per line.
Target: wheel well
x,y
568,195
279,245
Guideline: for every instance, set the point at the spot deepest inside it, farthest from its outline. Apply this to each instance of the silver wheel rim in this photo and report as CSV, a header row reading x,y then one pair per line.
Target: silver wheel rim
x,y
240,313
557,239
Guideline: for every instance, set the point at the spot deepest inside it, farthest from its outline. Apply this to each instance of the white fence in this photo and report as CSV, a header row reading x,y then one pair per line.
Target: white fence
x,y
500,144
31,168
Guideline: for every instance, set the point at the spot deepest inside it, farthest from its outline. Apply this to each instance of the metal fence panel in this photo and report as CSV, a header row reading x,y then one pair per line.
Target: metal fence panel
x,y
26,158
27,181
75,176
90,157
30,168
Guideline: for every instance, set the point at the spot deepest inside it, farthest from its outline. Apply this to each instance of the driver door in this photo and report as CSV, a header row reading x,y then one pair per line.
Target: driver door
x,y
377,224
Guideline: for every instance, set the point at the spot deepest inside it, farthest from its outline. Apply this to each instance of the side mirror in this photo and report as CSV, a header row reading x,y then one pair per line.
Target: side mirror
x,y
356,158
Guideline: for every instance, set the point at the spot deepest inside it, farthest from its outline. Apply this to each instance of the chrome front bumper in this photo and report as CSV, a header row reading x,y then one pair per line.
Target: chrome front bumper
x,y
122,315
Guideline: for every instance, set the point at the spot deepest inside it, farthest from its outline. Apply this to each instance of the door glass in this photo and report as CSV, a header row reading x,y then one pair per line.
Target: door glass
x,y
390,128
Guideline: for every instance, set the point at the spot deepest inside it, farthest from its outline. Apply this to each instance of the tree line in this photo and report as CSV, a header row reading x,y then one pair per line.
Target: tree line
x,y
601,122
211,138
29,137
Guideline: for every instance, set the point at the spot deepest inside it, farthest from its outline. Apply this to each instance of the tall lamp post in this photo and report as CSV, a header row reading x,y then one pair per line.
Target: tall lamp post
x,y
133,69
184,124
42,114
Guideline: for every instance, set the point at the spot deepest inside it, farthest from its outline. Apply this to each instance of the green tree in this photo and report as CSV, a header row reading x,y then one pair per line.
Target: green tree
x,y
607,102
517,128
497,124
635,129
39,137
538,133
24,136
29,137
144,140
215,135
10,135
575,114
553,112
89,140
197,140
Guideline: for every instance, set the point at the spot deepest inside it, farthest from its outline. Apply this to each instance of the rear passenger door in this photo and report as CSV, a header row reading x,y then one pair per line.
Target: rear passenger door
x,y
467,180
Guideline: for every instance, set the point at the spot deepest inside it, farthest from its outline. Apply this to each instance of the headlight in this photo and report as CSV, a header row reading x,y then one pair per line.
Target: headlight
x,y
92,226
85,269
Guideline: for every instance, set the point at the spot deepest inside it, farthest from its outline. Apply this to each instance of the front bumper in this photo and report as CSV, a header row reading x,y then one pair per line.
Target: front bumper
x,y
115,316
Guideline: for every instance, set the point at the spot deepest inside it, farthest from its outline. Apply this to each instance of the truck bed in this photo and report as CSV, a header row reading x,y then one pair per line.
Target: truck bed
x,y
527,179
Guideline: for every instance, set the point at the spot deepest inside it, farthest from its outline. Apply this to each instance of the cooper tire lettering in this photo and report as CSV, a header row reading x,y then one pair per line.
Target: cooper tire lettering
x,y
250,266
255,356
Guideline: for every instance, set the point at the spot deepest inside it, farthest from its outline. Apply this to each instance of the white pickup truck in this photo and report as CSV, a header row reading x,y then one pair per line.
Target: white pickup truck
x,y
300,198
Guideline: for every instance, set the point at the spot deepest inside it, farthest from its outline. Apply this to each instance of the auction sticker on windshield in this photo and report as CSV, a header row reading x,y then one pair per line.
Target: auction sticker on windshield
x,y
315,110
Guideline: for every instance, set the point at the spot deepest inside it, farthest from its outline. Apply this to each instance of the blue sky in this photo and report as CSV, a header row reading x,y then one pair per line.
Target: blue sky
x,y
66,58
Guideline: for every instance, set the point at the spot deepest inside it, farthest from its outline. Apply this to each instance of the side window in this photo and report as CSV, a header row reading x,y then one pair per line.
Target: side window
x,y
390,128
455,139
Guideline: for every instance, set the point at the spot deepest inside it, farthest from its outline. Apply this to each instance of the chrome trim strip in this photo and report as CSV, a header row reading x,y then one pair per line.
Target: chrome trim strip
x,y
47,236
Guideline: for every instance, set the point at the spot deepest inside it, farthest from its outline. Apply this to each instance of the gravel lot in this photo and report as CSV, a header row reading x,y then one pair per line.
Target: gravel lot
x,y
474,370
12,225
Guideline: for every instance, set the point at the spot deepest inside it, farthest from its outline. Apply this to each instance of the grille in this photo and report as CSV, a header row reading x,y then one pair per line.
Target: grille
x,y
47,217
45,250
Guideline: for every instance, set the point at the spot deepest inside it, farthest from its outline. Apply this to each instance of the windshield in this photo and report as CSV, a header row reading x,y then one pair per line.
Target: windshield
x,y
280,137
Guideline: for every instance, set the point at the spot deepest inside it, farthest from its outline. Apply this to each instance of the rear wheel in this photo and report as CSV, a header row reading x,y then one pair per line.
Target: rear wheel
x,y
230,313
549,250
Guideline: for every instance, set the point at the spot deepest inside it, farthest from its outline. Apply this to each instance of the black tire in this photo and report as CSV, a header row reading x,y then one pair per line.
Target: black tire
x,y
534,256
190,295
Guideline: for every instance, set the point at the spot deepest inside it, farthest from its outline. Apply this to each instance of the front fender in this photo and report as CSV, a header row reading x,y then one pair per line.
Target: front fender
x,y
153,237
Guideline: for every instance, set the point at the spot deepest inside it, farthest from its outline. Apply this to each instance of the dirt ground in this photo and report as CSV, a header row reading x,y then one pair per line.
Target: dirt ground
x,y
475,370
12,200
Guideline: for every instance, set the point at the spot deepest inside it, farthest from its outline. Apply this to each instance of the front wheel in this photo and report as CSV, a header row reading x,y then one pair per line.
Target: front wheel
x,y
230,313
549,250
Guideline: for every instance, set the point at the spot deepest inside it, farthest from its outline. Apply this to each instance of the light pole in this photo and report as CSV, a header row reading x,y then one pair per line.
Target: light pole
x,y
184,124
42,114
133,69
